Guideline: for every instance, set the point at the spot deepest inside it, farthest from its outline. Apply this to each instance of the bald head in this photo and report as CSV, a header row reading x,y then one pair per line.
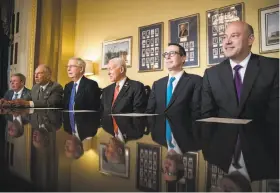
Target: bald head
x,y
116,69
238,40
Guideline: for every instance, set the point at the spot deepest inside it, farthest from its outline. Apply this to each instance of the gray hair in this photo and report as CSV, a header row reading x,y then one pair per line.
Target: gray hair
x,y
120,62
21,77
80,62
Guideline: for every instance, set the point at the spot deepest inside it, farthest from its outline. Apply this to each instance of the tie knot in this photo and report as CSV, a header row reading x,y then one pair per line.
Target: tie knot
x,y
172,79
75,84
237,68
41,89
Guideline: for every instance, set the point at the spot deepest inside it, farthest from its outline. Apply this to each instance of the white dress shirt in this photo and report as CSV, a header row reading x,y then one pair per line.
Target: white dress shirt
x,y
19,93
244,64
174,84
121,83
119,135
78,83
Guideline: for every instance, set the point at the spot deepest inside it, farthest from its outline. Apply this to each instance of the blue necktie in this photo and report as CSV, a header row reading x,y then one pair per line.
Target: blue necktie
x,y
168,98
71,107
15,96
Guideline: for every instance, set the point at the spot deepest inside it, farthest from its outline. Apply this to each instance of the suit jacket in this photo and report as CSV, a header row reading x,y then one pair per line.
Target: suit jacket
x,y
87,124
185,101
183,33
183,136
52,95
132,128
26,94
218,143
87,97
132,98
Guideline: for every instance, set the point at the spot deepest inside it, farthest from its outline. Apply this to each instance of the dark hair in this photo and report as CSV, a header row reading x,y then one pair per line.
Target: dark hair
x,y
250,29
181,49
21,77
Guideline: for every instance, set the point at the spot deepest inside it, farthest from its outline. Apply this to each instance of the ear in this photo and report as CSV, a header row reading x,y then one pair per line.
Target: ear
x,y
122,69
251,39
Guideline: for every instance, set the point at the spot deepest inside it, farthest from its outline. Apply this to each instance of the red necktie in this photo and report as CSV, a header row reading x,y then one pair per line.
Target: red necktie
x,y
116,93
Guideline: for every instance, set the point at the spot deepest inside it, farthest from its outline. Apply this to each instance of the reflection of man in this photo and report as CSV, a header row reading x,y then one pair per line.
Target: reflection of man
x,y
16,121
84,128
45,93
124,95
171,165
183,30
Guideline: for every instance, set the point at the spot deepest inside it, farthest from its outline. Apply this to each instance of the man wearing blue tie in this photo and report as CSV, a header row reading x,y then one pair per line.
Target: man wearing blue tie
x,y
178,93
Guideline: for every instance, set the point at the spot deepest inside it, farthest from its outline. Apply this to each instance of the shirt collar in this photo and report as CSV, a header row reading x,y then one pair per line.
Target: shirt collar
x,y
45,86
19,92
78,82
121,82
243,63
177,76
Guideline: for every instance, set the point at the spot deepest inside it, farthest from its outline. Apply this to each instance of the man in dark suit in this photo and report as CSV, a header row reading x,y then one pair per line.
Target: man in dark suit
x,y
128,128
124,95
18,90
85,127
87,92
244,86
45,93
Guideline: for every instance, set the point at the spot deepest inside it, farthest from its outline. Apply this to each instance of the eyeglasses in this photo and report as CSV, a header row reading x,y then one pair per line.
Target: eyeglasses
x,y
72,66
171,54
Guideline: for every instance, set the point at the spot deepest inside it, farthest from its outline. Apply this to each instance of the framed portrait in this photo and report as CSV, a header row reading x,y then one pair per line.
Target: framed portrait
x,y
120,48
185,31
213,175
217,22
269,29
148,167
116,169
150,48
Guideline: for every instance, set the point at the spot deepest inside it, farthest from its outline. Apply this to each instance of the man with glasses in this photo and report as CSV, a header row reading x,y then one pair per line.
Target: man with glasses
x,y
81,93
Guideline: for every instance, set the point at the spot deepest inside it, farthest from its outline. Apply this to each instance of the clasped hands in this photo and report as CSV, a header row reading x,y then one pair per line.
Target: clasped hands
x,y
13,103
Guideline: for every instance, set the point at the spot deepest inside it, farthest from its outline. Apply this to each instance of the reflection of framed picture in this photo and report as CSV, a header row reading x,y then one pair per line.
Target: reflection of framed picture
x,y
148,175
217,21
213,175
190,161
120,48
269,29
105,167
154,41
185,31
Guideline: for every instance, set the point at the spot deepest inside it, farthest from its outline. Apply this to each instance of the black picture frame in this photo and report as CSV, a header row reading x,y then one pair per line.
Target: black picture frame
x,y
217,21
213,175
150,48
148,167
188,40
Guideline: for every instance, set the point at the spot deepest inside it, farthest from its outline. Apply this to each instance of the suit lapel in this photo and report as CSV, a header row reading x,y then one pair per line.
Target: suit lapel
x,y
226,77
249,79
110,95
180,86
122,92
163,87
23,93
80,88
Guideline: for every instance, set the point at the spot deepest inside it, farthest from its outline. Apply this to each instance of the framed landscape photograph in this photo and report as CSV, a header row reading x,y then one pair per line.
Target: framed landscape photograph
x,y
269,29
217,21
116,169
120,48
150,47
185,31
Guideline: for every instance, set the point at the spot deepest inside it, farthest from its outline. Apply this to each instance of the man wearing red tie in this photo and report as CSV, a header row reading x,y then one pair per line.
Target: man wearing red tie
x,y
124,95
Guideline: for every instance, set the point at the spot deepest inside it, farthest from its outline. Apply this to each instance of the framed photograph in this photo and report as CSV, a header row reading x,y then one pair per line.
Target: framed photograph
x,y
269,29
120,48
213,175
153,43
185,31
107,168
190,161
148,167
217,21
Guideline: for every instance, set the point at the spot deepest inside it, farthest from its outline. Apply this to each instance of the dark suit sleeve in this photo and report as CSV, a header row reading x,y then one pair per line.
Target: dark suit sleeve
x,y
208,106
94,91
54,100
27,95
140,99
66,96
152,101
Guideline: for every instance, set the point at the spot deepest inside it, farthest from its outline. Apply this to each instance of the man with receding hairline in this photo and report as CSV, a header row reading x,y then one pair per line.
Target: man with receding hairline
x,y
45,93
124,95
244,86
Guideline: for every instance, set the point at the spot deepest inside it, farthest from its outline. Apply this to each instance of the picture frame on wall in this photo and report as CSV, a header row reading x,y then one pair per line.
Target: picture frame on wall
x,y
148,167
121,48
213,175
217,21
185,31
269,29
150,48
120,169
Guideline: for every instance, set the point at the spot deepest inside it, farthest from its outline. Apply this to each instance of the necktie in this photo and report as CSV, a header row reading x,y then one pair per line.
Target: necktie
x,y
116,128
168,98
15,96
238,88
116,93
71,107
41,94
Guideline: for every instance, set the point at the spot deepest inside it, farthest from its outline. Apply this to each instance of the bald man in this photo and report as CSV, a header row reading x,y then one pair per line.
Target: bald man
x,y
45,93
244,86
124,95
